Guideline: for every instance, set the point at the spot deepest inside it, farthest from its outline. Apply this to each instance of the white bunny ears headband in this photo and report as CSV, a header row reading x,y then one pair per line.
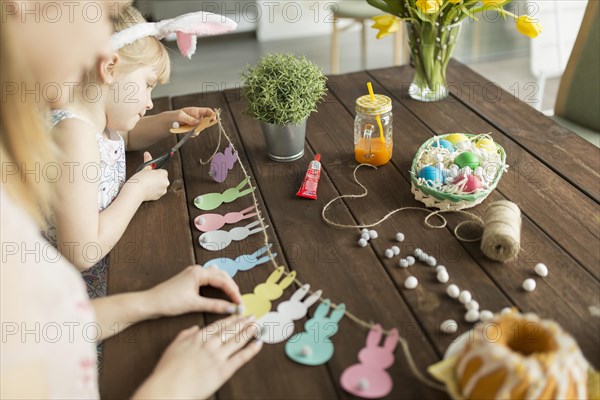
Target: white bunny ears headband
x,y
187,27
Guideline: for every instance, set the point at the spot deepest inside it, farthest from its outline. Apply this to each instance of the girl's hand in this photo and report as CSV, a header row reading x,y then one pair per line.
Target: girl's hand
x,y
189,115
153,183
181,293
198,362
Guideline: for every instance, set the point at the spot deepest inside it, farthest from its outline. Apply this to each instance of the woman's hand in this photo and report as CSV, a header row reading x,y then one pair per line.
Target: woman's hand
x,y
181,293
198,362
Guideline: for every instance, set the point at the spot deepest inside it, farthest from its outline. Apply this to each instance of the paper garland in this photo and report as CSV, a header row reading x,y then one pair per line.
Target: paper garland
x,y
314,346
221,163
278,326
210,201
245,262
212,222
368,378
259,302
219,240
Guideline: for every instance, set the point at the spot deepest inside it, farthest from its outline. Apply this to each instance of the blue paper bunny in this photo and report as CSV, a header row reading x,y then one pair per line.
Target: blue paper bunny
x,y
242,263
314,346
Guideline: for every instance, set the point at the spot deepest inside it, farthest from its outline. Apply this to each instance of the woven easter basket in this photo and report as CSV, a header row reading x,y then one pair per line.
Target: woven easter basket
x,y
433,198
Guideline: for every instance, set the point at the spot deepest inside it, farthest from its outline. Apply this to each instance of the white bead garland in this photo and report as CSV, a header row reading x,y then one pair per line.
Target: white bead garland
x,y
362,242
396,250
373,234
472,305
465,297
453,291
403,263
443,276
399,237
486,315
411,260
472,316
431,261
389,253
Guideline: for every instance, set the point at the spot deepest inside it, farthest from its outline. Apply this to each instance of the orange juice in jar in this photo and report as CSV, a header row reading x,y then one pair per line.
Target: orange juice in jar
x,y
373,145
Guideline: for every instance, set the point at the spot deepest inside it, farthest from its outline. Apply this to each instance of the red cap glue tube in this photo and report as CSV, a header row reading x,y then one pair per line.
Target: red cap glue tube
x,y
311,179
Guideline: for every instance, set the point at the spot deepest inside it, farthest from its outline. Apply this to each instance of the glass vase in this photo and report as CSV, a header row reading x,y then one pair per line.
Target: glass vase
x,y
431,46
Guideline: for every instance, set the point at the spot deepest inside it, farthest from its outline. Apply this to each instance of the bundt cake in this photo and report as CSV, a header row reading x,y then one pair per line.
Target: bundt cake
x,y
520,356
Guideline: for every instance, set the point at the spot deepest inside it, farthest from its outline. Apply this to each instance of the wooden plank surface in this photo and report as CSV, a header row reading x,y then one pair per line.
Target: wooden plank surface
x,y
332,262
152,249
568,281
561,150
556,206
549,180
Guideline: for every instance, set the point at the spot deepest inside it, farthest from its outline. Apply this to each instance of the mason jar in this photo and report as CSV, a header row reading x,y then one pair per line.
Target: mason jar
x,y
373,139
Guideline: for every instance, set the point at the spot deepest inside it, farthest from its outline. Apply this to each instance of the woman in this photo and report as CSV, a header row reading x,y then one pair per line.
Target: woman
x,y
49,324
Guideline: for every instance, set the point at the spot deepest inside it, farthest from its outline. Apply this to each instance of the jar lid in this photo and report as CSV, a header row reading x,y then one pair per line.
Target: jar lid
x,y
382,105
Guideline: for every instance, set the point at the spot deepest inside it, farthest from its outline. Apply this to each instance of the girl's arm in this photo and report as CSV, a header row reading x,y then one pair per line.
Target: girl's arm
x,y
150,130
175,296
85,235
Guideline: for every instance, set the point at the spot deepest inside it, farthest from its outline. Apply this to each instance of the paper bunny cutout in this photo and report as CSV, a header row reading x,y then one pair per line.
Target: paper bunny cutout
x,y
187,27
259,302
222,163
314,346
218,240
210,201
244,262
212,222
368,378
278,326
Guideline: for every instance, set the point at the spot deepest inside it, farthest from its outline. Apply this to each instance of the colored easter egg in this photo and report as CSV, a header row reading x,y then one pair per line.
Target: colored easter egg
x,y
431,174
473,183
487,145
467,159
443,143
455,138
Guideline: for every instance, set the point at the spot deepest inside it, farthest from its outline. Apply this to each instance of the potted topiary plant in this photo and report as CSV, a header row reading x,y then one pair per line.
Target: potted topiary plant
x,y
281,91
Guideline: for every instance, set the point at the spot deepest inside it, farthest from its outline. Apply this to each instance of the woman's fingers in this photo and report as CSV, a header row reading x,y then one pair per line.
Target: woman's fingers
x,y
216,306
220,280
215,329
237,360
244,334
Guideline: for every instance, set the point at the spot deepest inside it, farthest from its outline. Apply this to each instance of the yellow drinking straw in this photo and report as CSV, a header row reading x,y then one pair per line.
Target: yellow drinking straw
x,y
370,87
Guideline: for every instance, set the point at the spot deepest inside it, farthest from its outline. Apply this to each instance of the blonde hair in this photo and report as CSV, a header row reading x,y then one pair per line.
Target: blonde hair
x,y
26,149
148,51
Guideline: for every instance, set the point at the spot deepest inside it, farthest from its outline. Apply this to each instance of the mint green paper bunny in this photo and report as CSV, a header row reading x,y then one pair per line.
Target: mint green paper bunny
x,y
314,346
210,201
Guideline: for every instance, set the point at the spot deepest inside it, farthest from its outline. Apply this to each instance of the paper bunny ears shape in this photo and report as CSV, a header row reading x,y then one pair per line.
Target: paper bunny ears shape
x,y
187,27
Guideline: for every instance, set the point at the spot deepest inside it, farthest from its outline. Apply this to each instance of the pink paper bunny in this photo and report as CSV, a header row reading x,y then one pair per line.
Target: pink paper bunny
x,y
368,379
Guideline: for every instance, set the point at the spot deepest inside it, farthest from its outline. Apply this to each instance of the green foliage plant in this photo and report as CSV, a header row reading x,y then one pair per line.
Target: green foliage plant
x,y
283,89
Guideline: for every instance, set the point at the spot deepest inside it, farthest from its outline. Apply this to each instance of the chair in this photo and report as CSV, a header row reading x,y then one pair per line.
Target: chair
x,y
578,100
360,12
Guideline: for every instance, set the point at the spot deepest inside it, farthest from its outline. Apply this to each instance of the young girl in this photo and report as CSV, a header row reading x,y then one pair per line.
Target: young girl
x,y
95,204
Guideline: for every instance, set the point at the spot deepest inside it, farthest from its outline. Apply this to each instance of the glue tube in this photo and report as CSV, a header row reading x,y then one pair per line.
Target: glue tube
x,y
311,179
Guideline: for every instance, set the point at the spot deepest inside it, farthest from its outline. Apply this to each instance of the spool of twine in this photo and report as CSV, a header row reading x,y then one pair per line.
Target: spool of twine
x,y
501,239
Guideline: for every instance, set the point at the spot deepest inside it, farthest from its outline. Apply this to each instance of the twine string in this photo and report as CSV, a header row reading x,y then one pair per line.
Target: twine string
x,y
367,325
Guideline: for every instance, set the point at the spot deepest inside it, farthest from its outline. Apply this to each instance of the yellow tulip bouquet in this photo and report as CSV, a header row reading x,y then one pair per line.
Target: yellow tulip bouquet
x,y
432,28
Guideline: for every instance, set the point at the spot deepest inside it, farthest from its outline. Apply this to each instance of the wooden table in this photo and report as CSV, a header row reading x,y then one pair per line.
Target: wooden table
x,y
553,177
